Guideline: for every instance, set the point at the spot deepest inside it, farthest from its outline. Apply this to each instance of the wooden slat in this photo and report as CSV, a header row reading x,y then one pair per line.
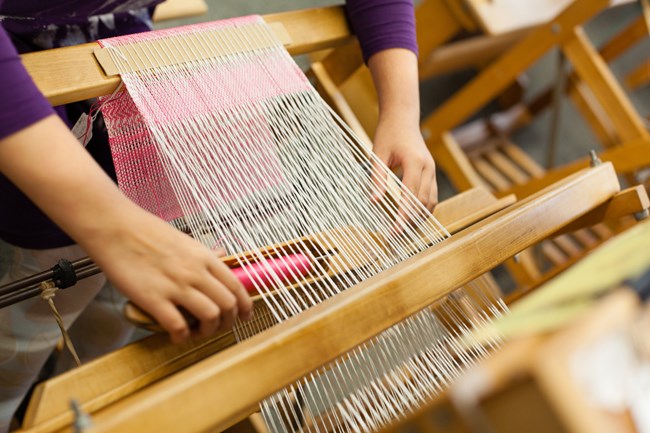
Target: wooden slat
x,y
523,160
591,69
72,74
459,9
188,401
602,231
343,62
506,166
471,216
568,245
554,254
498,17
464,203
467,53
627,158
624,40
435,25
333,96
451,158
626,203
586,238
592,111
639,77
491,174
114,376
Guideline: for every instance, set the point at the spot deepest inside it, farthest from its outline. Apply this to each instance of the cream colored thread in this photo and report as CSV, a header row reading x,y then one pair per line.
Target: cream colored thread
x,y
48,292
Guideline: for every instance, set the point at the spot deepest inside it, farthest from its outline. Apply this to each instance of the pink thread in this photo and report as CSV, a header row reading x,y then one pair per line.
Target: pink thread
x,y
267,273
222,101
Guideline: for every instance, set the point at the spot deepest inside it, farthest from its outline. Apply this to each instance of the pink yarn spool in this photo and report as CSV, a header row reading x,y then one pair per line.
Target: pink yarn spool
x,y
289,268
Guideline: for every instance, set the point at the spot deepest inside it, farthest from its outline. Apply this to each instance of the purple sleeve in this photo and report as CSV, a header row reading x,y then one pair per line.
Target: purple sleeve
x,y
21,103
383,24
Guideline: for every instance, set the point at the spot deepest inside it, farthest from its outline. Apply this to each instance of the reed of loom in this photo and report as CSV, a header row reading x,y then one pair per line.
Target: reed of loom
x,y
379,301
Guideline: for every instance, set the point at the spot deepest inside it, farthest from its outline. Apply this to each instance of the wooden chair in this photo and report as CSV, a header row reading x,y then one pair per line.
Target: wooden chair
x,y
489,157
640,76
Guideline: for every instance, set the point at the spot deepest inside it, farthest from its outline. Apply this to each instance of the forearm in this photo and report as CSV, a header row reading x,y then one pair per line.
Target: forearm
x,y
47,163
152,263
395,74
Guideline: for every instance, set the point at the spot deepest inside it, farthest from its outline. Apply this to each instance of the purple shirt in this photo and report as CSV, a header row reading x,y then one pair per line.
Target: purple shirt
x,y
34,25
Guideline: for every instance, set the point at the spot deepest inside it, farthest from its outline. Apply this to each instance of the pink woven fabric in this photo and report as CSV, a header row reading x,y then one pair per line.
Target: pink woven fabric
x,y
192,107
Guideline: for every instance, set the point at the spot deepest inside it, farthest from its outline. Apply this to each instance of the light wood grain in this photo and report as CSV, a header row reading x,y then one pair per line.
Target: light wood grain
x,y
631,201
627,158
639,77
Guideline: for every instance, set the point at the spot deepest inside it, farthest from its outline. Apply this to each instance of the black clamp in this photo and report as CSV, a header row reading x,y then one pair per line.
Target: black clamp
x,y
64,274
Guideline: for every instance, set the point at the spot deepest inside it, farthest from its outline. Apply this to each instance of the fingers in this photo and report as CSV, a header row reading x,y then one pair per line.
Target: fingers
x,y
433,193
210,315
243,301
171,320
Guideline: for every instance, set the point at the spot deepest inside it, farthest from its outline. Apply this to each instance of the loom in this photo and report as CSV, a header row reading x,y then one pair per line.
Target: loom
x,y
306,190
219,133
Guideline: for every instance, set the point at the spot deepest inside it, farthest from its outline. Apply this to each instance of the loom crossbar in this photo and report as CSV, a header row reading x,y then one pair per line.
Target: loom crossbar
x,y
292,349
71,74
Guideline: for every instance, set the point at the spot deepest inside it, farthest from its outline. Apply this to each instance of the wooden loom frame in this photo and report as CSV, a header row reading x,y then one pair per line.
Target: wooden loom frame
x,y
292,349
156,358
89,81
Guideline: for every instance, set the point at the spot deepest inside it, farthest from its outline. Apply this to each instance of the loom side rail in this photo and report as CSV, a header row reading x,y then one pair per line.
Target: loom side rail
x,y
294,348
71,74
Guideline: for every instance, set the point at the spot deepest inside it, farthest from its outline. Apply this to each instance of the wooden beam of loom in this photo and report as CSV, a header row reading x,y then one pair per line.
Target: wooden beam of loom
x,y
73,74
140,364
292,349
